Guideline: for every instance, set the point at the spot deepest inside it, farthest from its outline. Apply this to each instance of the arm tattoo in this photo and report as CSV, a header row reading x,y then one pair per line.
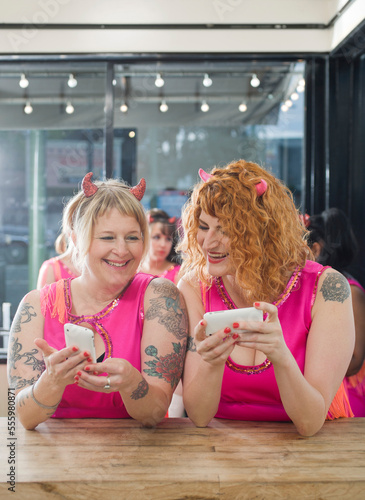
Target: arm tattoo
x,y
168,309
24,315
335,288
191,345
169,367
28,358
141,390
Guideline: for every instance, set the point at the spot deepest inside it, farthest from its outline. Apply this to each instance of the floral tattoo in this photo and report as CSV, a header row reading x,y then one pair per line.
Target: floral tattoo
x,y
167,367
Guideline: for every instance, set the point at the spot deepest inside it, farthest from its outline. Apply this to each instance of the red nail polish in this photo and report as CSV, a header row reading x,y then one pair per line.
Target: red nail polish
x,y
86,354
256,304
235,336
89,360
202,322
75,349
76,378
87,368
95,373
236,325
227,330
79,374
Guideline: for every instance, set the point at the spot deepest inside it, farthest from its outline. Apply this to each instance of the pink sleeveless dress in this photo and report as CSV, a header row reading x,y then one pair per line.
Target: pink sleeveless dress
x,y
251,392
59,269
120,325
355,385
170,273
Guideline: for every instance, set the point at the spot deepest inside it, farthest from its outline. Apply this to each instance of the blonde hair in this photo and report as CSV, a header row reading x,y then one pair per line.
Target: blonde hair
x,y
267,239
81,213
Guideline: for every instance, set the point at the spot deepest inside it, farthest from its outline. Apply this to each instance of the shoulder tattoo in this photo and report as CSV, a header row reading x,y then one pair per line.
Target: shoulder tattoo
x,y
335,288
24,315
169,308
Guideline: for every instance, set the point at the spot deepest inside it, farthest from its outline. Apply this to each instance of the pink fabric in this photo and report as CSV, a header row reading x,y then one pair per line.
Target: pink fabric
x,y
171,273
256,396
59,269
120,325
355,385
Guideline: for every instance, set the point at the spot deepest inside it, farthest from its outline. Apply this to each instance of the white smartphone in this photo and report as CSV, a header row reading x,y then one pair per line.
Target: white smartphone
x,y
217,320
82,337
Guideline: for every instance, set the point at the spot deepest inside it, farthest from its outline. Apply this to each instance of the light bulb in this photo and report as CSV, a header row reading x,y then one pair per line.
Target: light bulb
x,y
288,103
28,108
294,96
123,107
301,82
163,107
159,82
207,82
300,88
23,82
284,108
255,82
69,108
132,134
242,107
72,82
204,107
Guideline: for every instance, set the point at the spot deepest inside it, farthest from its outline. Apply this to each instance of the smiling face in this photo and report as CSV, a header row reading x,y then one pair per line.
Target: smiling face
x,y
161,243
214,245
116,249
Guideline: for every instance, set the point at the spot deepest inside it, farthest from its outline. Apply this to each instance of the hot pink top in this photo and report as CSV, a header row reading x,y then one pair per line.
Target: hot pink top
x,y
355,385
251,392
120,325
170,273
60,270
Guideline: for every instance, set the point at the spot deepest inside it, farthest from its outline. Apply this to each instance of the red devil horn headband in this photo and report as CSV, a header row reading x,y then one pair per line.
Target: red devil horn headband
x,y
261,187
89,188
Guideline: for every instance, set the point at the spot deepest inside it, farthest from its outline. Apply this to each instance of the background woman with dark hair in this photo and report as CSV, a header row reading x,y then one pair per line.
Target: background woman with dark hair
x,y
334,244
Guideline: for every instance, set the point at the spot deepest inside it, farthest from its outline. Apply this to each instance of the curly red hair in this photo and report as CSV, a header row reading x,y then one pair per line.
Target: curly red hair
x,y
267,239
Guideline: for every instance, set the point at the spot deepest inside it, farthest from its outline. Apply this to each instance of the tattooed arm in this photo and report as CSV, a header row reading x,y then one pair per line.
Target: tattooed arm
x,y
38,389
330,344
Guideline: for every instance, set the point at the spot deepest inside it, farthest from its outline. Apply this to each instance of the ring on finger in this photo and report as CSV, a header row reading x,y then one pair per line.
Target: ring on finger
x,y
107,385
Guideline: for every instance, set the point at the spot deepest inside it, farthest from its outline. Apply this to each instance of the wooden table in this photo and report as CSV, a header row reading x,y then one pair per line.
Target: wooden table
x,y
117,459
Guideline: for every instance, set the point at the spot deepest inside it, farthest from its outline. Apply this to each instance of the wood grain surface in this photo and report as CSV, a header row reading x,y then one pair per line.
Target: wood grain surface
x,y
118,459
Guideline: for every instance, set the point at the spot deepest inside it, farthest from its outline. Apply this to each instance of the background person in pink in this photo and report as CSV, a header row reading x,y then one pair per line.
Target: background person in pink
x,y
161,259
58,267
139,321
244,247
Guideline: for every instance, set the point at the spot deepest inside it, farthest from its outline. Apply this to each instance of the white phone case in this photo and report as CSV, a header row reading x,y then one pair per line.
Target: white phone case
x,y
217,320
81,337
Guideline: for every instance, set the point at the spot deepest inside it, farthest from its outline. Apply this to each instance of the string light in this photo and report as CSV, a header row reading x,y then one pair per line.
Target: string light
x,y
207,82
124,107
242,107
69,108
288,103
284,108
23,82
132,134
294,96
255,82
204,107
163,107
28,108
159,82
72,82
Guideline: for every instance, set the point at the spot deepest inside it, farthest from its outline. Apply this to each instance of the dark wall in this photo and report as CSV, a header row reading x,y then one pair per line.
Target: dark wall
x,y
335,136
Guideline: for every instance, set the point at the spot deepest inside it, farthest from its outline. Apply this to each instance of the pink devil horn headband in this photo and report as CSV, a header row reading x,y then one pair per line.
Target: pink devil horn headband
x,y
261,187
139,190
87,185
89,188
